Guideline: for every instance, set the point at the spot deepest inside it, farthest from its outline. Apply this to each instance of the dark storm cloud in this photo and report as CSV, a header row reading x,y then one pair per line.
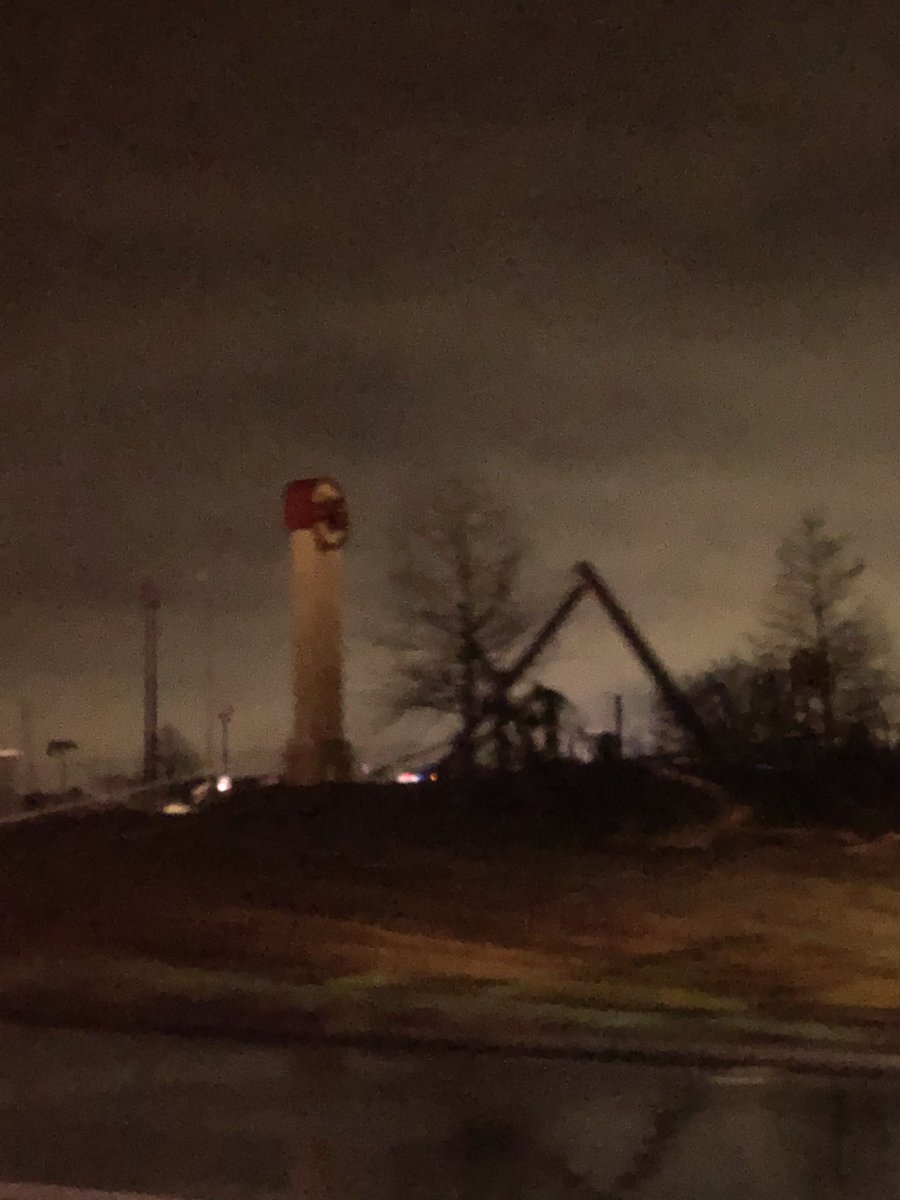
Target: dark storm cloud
x,y
434,140
638,261
136,465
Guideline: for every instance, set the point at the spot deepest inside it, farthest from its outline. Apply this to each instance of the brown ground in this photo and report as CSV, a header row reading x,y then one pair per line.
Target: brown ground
x,y
129,913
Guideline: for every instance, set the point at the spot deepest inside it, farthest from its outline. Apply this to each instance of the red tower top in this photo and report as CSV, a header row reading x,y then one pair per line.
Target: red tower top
x,y
317,505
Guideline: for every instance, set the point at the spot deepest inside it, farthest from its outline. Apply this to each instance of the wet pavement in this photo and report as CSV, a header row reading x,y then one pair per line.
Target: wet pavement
x,y
214,1120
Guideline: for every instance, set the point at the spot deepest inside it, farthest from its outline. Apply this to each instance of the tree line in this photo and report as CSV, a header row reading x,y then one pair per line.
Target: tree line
x,y
818,668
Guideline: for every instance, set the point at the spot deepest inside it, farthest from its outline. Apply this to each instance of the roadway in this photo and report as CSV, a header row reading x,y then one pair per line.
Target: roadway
x,y
209,1120
146,798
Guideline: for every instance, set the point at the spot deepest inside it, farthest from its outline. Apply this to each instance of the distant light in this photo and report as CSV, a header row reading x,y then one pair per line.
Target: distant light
x,y
433,776
176,808
223,783
409,777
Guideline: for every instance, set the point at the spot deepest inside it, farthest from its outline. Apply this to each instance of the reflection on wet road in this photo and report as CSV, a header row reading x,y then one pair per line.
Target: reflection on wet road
x,y
201,1119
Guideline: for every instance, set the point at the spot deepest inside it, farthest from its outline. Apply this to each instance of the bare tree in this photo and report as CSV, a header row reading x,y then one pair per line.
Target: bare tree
x,y
458,612
820,667
821,630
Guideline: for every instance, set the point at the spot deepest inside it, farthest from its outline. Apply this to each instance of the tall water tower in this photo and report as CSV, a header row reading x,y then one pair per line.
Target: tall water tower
x,y
315,513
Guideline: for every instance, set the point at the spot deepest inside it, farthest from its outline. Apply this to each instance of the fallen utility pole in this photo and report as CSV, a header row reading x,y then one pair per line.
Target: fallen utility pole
x,y
589,582
681,708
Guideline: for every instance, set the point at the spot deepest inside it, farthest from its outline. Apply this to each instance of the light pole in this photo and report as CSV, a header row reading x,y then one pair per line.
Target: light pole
x,y
225,719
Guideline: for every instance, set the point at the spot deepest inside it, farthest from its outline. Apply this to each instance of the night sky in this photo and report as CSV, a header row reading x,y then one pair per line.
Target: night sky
x,y
637,262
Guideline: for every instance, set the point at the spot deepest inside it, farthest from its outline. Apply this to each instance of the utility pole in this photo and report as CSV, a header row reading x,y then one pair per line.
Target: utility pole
x,y
209,679
210,721
469,708
225,719
150,600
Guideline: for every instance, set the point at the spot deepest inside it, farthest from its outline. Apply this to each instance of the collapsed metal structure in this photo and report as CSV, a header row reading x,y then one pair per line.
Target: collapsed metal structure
x,y
497,711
